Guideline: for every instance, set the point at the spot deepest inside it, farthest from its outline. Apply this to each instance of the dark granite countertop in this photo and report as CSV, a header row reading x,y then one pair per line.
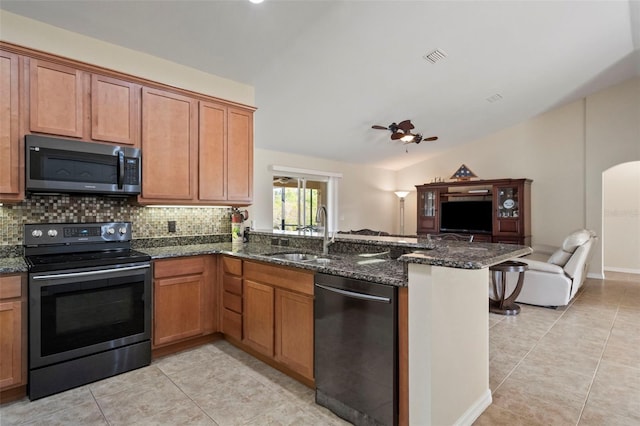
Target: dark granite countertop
x,y
12,265
375,264
365,266
464,255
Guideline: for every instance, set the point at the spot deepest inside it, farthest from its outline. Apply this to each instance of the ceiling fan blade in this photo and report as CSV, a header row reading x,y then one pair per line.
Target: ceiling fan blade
x,y
379,127
406,125
432,138
396,136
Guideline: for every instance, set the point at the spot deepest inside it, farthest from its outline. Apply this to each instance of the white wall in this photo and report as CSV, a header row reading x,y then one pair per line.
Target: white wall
x,y
621,219
542,149
612,123
565,151
37,35
366,198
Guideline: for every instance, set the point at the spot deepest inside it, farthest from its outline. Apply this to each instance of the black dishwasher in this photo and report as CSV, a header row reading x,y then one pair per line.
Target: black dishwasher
x,y
356,356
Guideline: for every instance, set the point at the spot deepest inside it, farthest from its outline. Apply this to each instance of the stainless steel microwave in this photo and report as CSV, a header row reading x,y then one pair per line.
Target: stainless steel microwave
x,y
69,166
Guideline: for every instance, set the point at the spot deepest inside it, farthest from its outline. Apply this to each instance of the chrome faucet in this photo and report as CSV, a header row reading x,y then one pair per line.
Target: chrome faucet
x,y
322,211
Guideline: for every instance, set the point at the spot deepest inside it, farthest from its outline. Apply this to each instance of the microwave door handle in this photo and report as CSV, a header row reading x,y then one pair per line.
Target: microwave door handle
x,y
120,169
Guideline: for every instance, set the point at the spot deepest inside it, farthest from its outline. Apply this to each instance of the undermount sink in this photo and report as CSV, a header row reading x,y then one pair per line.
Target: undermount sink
x,y
301,257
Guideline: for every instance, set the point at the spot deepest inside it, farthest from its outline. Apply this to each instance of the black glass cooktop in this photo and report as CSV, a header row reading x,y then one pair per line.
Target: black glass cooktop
x,y
54,262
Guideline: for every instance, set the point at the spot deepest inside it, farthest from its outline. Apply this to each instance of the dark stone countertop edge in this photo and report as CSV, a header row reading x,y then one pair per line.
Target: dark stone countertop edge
x,y
390,271
12,265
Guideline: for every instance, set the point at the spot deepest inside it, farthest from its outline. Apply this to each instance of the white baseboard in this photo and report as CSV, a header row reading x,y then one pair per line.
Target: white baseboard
x,y
477,408
596,275
625,270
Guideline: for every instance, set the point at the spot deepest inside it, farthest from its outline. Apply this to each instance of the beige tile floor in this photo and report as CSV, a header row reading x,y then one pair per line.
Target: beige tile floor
x,y
579,365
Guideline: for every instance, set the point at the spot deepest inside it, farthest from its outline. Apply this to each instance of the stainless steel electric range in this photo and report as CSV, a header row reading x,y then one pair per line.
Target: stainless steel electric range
x,y
89,304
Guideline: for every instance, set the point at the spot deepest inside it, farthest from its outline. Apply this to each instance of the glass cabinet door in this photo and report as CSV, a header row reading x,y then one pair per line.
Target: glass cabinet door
x,y
428,203
508,203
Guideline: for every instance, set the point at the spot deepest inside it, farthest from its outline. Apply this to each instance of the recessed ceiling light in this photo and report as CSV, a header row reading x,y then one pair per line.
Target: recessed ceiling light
x,y
435,56
256,1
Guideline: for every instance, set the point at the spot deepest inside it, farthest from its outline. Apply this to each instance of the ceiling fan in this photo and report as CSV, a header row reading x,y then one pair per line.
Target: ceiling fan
x,y
402,131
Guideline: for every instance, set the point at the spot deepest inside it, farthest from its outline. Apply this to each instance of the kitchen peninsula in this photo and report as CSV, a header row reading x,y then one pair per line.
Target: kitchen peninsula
x,y
444,372
443,306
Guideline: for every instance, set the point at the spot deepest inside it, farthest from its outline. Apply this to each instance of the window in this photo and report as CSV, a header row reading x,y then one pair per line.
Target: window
x,y
297,194
295,202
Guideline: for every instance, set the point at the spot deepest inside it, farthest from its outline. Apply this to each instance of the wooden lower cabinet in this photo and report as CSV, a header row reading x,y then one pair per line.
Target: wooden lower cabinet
x,y
232,297
258,319
13,332
294,331
183,300
278,315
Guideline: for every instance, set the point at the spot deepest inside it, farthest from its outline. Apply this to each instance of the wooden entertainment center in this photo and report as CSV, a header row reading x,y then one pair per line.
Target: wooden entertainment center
x,y
495,210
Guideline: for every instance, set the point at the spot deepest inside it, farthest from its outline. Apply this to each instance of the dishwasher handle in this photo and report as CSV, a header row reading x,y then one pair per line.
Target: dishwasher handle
x,y
353,294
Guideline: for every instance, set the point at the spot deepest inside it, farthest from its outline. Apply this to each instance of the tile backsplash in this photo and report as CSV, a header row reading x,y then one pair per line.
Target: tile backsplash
x,y
148,222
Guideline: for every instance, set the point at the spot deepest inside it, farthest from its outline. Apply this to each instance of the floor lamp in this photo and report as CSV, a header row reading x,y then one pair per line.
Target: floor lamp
x,y
401,195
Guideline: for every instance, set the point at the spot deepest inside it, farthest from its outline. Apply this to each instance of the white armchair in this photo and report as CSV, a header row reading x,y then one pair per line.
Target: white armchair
x,y
556,281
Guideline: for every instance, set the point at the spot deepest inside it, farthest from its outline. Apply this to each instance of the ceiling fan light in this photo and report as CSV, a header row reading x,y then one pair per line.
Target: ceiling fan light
x,y
407,138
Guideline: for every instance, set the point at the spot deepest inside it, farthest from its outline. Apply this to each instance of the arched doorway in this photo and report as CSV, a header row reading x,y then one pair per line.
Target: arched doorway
x,y
621,218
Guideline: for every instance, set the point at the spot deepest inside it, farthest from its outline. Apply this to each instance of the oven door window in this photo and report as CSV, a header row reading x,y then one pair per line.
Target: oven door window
x,y
78,315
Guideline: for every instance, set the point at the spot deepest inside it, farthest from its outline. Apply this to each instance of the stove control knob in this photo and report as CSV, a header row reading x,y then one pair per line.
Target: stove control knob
x,y
111,231
123,230
36,233
52,232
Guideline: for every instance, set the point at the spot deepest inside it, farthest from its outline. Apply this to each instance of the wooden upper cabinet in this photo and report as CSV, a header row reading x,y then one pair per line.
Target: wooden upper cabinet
x,y
56,99
212,152
115,110
169,139
240,155
10,146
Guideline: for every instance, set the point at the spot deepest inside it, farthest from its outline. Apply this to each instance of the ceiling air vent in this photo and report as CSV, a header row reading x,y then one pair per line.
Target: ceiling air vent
x,y
494,98
435,56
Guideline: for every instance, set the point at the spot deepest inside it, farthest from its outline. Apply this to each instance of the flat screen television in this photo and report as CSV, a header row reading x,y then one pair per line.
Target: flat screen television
x,y
466,216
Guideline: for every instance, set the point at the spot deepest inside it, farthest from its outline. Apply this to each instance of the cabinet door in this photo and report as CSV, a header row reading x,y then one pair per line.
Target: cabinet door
x,y
428,211
10,152
177,308
169,146
240,155
212,152
10,343
115,110
55,99
294,331
258,317
507,216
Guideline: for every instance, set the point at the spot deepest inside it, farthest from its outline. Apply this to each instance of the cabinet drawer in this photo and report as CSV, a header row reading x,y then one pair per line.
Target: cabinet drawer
x,y
178,267
10,286
232,266
232,302
232,324
290,279
232,284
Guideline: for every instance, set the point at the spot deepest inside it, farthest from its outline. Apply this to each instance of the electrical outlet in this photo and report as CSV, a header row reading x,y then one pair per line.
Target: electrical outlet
x,y
172,225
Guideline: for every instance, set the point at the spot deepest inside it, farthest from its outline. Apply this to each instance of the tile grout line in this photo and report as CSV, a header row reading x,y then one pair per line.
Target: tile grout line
x,y
529,351
104,416
593,379
188,396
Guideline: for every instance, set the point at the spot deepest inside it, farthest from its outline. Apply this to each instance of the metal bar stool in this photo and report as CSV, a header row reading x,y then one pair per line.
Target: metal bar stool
x,y
500,303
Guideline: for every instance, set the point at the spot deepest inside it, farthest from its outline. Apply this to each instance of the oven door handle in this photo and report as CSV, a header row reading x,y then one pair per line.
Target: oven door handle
x,y
88,273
